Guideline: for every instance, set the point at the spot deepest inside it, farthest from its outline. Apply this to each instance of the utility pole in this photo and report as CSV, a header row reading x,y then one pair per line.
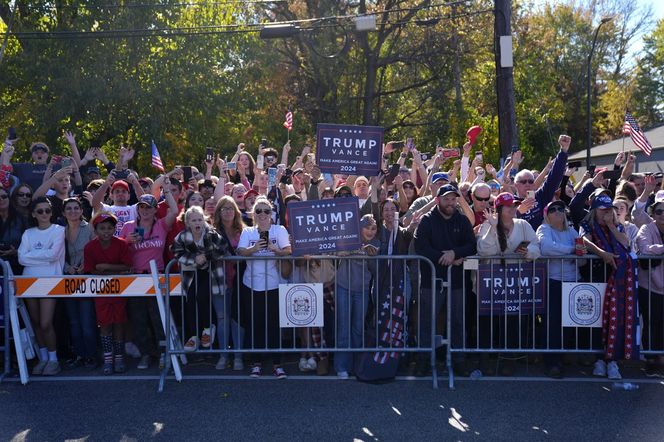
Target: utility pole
x,y
507,131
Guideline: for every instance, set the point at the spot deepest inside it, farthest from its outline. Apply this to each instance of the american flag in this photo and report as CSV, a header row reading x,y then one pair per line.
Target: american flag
x,y
632,128
156,159
288,124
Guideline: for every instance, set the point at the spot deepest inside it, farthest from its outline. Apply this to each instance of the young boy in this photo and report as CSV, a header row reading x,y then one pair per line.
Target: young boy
x,y
109,255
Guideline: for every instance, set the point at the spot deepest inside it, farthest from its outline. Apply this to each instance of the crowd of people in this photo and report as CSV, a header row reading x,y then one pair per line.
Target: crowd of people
x,y
65,218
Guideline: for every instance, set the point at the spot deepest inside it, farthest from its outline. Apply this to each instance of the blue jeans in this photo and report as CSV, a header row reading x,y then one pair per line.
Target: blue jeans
x,y
83,326
225,324
351,309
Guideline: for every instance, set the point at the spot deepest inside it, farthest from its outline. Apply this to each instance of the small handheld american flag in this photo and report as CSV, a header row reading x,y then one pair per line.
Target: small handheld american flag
x,y
288,124
156,159
632,128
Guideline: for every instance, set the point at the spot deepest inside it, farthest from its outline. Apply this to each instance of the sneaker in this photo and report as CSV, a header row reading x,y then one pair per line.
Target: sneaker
x,y
74,363
311,364
191,345
207,338
90,363
132,350
303,364
599,368
238,364
221,364
256,371
652,370
144,363
343,375
107,368
52,368
39,368
323,367
279,373
612,370
119,366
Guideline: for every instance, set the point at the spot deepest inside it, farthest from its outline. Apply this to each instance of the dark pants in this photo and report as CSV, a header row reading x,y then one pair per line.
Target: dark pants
x,y
144,316
652,308
82,326
264,332
426,305
198,309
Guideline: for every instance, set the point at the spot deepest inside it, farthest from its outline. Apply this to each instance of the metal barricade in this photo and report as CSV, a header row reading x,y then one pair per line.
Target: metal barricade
x,y
553,305
6,329
370,312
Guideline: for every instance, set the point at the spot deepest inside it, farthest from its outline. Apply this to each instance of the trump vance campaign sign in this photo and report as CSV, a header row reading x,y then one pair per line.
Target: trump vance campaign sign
x,y
323,226
348,149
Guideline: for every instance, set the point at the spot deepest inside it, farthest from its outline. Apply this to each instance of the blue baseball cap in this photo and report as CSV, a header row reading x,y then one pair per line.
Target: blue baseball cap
x,y
602,202
440,176
447,189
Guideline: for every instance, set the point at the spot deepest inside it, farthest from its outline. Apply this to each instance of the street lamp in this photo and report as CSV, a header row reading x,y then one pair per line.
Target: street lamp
x,y
590,117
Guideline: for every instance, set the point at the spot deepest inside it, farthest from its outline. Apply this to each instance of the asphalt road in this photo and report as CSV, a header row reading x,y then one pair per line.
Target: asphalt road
x,y
296,409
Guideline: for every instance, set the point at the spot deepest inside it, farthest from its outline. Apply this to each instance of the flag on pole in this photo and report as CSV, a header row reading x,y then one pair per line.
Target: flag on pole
x,y
156,159
288,124
632,128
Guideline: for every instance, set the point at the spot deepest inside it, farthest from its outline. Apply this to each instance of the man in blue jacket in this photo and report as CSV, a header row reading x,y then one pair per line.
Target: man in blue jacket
x,y
445,237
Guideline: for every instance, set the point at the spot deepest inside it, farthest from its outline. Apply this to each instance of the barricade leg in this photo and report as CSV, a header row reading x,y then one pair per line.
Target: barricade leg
x,y
5,311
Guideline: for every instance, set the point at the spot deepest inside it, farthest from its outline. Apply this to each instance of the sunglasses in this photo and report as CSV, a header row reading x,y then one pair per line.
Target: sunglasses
x,y
556,209
265,211
658,211
408,186
43,211
24,195
344,195
526,182
482,199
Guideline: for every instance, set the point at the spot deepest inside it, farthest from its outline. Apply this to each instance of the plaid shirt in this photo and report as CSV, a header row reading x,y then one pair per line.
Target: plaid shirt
x,y
215,247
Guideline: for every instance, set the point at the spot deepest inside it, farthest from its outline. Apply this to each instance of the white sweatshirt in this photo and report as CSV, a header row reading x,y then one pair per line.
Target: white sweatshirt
x,y
42,252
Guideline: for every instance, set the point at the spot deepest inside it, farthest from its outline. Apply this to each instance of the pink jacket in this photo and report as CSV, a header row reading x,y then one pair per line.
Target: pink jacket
x,y
649,241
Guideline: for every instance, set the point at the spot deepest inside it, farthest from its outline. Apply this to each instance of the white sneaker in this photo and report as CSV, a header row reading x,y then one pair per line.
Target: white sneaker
x,y
343,375
613,371
238,364
52,368
303,365
132,350
221,364
191,344
207,338
600,368
311,364
39,368
144,363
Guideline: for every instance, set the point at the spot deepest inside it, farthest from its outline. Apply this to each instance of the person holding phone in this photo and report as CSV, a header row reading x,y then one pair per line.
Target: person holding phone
x,y
147,239
259,296
13,224
42,253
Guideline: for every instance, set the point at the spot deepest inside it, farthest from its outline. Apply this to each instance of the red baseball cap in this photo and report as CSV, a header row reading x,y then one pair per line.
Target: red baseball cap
x,y
249,194
120,183
506,199
104,217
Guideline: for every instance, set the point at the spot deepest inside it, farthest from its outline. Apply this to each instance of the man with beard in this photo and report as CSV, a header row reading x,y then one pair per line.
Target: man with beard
x,y
445,236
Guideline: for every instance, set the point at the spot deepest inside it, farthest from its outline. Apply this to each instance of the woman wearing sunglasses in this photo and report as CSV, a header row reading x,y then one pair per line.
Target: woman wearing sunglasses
x,y
42,253
259,294
12,226
557,237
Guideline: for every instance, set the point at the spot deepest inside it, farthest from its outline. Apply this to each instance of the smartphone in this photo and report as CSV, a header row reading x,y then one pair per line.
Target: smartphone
x,y
95,144
479,156
260,161
232,165
409,144
265,236
424,157
121,174
140,231
187,173
209,154
515,149
397,145
12,134
450,153
531,194
513,173
66,162
574,164
263,143
272,176
523,244
591,169
612,174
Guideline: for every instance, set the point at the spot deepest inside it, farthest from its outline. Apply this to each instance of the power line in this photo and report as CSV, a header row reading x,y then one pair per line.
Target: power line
x,y
227,28
166,5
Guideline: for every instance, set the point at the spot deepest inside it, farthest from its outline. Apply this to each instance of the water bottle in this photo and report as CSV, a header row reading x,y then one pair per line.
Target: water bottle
x,y
475,374
628,386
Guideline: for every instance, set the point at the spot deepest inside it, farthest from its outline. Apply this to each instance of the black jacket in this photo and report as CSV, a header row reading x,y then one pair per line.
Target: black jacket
x,y
436,234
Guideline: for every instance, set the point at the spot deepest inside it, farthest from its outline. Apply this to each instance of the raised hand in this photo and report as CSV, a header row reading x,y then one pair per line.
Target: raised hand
x,y
564,141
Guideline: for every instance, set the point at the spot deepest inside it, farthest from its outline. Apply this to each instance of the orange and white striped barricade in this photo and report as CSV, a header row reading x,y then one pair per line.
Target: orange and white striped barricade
x,y
83,286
